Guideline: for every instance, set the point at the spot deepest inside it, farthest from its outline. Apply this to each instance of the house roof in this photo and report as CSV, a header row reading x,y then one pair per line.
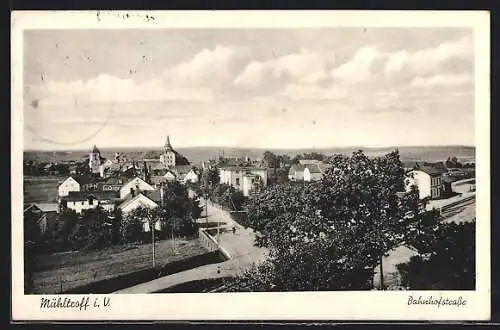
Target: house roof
x,y
323,167
114,181
432,171
74,196
313,168
31,207
153,195
130,199
47,207
308,161
156,179
297,168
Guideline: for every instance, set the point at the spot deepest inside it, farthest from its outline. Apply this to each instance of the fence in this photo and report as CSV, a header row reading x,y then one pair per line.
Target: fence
x,y
209,242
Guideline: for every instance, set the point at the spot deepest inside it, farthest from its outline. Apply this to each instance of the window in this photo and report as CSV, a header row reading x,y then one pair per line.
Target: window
x,y
237,181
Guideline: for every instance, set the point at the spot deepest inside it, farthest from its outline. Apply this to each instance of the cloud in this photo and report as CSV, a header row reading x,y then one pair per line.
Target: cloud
x,y
251,77
428,60
107,88
207,67
306,67
361,67
311,92
442,80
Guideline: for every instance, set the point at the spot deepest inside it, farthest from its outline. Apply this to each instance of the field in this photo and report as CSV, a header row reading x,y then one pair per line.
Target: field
x,y
70,270
41,189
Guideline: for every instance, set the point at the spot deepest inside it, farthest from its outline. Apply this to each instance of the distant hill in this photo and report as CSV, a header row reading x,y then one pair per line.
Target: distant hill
x,y
197,154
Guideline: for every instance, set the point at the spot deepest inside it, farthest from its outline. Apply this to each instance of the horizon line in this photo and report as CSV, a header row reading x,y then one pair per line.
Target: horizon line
x,y
156,147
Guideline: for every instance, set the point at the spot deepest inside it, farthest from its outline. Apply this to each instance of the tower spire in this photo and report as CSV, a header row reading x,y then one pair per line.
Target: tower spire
x,y
167,143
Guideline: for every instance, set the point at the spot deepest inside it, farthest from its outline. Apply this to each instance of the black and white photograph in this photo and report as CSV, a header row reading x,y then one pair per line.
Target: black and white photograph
x,y
251,159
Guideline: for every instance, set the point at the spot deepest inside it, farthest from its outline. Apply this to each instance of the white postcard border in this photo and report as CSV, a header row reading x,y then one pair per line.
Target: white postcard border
x,y
372,305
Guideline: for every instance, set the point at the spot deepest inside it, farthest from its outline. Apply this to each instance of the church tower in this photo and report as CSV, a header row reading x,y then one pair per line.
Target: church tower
x,y
94,160
168,156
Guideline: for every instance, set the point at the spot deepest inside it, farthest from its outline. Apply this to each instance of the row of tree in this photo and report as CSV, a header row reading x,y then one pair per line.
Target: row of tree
x,y
332,234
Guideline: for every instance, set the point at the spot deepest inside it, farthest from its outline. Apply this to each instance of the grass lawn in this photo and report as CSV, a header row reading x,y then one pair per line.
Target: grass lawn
x,y
76,269
41,189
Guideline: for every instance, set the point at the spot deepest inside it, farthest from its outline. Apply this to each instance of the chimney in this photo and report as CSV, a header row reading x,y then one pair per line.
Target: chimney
x,y
132,192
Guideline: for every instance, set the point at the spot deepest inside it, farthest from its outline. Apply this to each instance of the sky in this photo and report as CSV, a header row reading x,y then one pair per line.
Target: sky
x,y
262,88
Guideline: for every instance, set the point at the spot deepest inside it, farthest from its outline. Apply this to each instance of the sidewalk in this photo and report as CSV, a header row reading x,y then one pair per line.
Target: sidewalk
x,y
240,246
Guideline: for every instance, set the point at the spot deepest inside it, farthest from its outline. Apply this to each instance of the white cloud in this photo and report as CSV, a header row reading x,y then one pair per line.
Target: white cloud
x,y
311,92
207,67
252,75
106,88
443,80
429,60
306,67
360,67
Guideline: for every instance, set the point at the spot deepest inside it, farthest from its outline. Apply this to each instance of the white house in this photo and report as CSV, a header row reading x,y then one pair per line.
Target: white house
x,y
104,167
235,176
68,185
191,176
137,184
78,202
296,172
169,176
139,200
314,172
428,180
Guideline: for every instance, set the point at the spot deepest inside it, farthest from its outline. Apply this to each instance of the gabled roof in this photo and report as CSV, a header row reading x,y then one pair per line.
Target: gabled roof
x,y
313,168
182,169
297,168
47,207
131,199
31,207
153,195
135,178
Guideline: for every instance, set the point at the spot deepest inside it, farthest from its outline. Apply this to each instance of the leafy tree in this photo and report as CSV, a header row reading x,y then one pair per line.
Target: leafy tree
x,y
152,216
270,159
450,261
331,234
210,178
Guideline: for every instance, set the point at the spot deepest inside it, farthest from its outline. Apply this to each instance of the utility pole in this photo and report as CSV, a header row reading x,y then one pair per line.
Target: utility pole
x,y
153,239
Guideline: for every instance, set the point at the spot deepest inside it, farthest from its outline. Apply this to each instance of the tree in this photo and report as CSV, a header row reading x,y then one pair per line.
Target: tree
x,y
450,264
210,177
331,234
152,217
181,210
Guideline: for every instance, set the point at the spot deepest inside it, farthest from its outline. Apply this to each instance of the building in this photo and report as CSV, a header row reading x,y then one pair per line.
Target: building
x,y
170,157
296,172
111,184
95,160
191,176
136,184
314,172
68,185
144,200
243,178
35,223
428,180
79,201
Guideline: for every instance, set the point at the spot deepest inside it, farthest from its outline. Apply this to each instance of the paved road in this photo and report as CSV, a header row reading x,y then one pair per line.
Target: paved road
x,y
239,245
